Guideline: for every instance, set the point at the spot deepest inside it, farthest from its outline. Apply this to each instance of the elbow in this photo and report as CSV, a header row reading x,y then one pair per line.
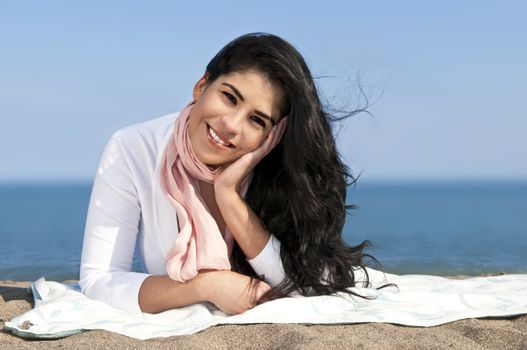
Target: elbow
x,y
89,279
84,280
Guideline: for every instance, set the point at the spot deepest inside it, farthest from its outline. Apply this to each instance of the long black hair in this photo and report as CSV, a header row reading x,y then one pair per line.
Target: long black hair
x,y
299,189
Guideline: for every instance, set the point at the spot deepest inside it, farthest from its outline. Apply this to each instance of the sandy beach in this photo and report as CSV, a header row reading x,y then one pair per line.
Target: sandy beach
x,y
503,333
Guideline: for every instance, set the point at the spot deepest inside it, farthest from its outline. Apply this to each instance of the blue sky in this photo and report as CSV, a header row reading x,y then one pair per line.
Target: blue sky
x,y
447,79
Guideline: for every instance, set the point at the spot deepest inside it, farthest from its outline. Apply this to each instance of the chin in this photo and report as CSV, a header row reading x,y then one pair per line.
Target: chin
x,y
210,161
215,163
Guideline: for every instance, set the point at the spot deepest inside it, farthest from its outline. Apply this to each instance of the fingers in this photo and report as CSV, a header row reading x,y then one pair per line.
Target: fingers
x,y
280,130
257,291
275,136
251,297
270,142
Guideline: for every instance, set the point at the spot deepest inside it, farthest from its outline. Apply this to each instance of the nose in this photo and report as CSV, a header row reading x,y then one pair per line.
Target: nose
x,y
232,123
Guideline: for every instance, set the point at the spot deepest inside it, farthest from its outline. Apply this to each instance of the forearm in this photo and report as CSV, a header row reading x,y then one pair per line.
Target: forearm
x,y
160,293
244,224
230,291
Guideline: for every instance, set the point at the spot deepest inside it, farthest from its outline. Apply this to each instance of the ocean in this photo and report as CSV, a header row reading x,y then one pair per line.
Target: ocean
x,y
427,228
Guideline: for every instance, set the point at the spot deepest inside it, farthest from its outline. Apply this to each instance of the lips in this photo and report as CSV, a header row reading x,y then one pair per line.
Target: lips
x,y
217,139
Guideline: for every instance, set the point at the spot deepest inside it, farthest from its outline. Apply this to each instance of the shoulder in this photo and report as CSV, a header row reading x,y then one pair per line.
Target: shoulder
x,y
148,133
139,147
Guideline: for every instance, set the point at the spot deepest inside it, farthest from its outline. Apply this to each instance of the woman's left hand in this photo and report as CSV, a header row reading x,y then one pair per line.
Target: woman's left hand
x,y
232,176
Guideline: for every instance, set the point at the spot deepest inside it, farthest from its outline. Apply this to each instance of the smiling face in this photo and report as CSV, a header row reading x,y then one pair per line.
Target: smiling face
x,y
232,116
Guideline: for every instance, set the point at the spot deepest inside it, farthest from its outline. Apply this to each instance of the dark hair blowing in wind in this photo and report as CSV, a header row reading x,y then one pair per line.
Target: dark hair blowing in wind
x,y
299,189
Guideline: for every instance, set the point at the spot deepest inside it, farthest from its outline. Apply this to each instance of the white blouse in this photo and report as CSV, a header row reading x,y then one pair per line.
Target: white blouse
x,y
129,213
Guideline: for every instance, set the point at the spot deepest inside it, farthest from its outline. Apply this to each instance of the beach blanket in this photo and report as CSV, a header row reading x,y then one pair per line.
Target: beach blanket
x,y
418,300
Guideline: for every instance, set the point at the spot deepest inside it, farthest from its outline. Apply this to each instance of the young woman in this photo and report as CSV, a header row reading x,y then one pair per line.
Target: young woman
x,y
237,199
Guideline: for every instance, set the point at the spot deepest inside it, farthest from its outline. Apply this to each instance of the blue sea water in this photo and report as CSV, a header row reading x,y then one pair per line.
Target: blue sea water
x,y
442,228
432,228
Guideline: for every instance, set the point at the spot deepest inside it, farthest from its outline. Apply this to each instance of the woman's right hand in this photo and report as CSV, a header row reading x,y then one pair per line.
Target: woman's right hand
x,y
231,292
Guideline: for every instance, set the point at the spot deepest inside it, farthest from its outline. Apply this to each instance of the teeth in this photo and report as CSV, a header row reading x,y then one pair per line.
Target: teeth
x,y
217,138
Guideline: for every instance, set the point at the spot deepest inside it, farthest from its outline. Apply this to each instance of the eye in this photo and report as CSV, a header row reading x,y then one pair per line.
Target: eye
x,y
258,120
230,97
254,118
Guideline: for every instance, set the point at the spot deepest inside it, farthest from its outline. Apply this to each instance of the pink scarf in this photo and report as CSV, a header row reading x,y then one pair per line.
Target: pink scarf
x,y
199,244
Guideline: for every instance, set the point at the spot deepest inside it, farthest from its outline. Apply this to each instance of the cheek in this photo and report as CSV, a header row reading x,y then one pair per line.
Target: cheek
x,y
252,141
194,125
259,139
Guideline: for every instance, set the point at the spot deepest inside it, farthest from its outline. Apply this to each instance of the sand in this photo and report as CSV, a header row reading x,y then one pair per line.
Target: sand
x,y
503,333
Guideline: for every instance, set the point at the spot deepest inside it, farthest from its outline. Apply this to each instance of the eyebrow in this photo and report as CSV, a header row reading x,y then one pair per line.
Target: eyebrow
x,y
261,114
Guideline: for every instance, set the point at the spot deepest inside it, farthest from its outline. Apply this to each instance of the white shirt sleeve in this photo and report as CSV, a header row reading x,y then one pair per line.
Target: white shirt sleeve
x,y
112,226
268,263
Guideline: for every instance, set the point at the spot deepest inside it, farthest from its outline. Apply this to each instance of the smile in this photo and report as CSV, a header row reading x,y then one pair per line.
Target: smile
x,y
217,140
